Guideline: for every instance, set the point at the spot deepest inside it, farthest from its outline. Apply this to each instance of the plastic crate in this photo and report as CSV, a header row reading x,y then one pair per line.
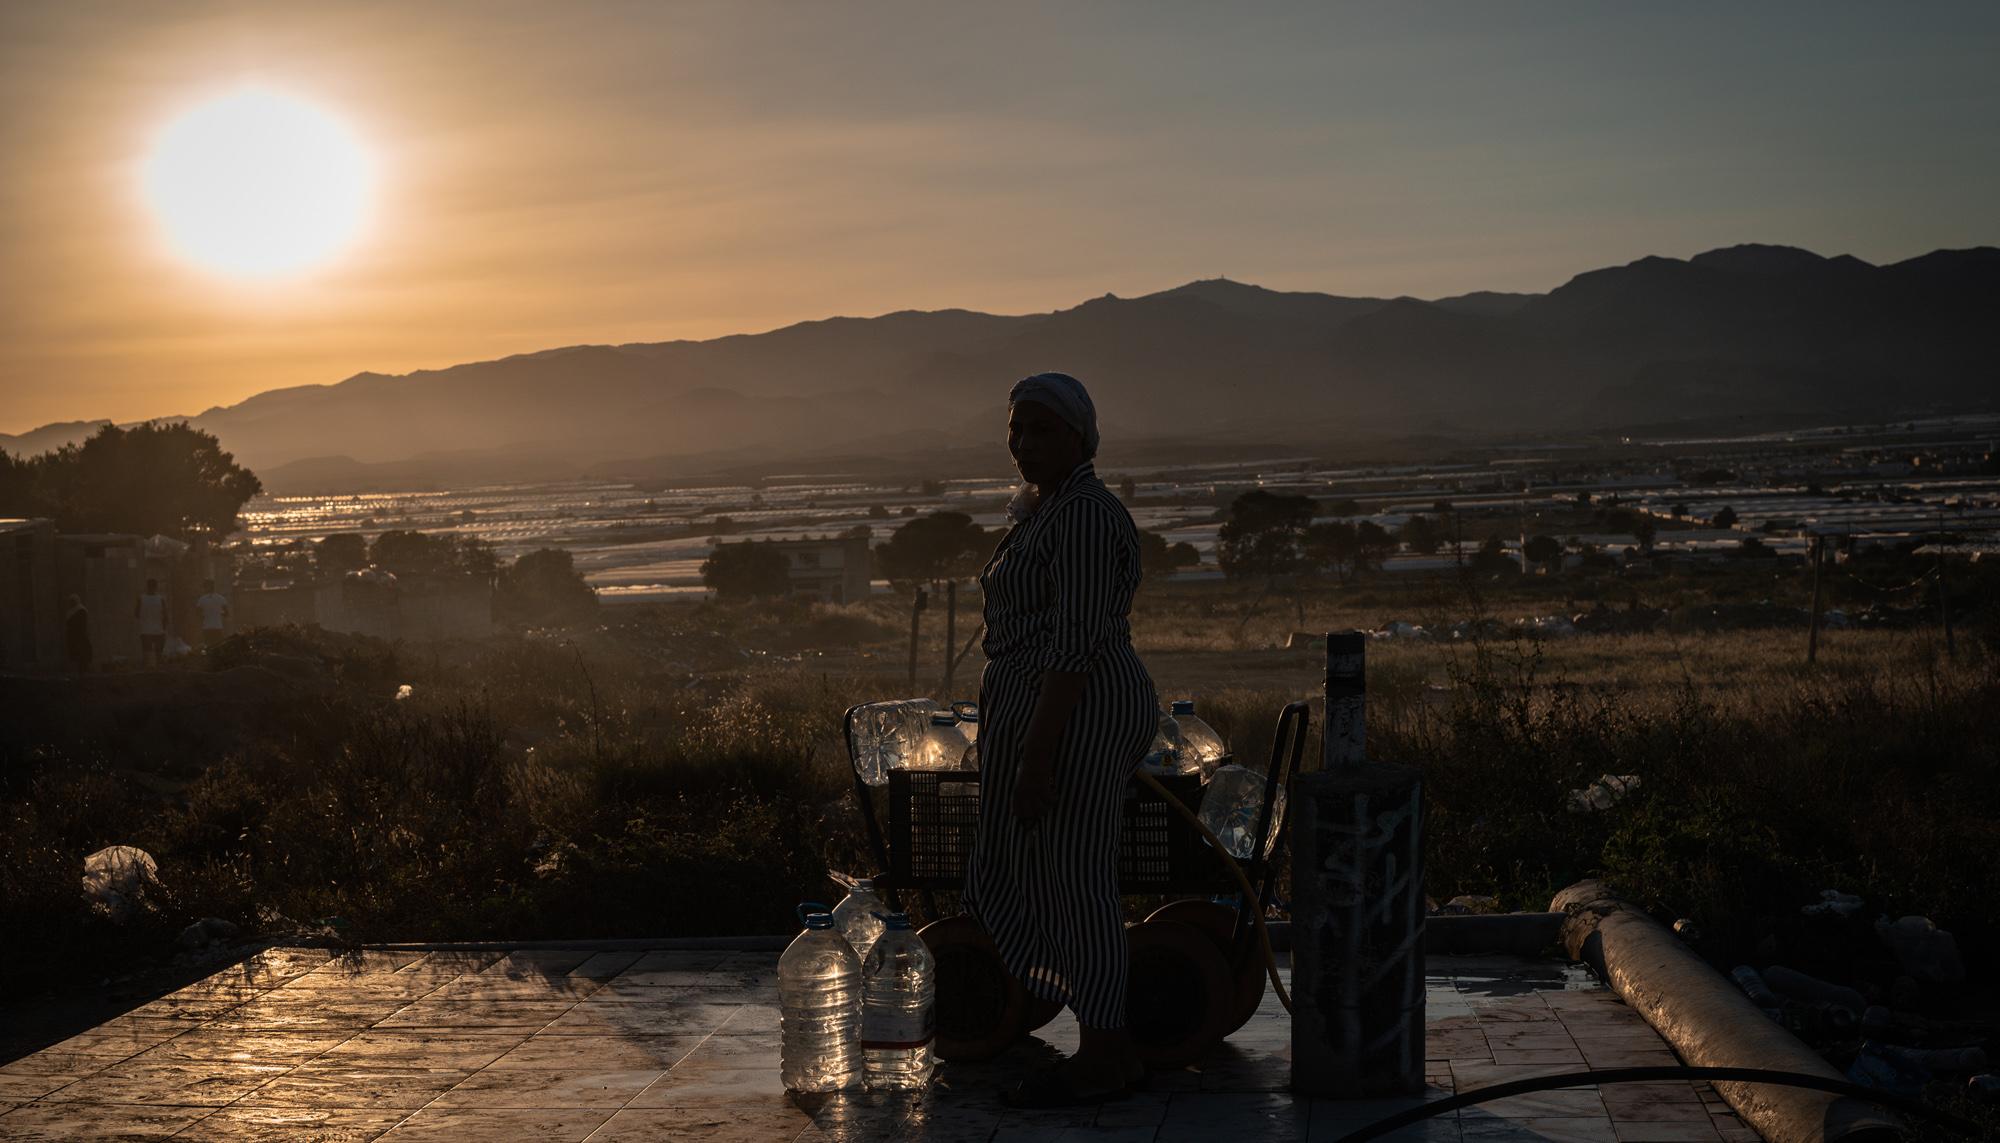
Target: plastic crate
x,y
934,819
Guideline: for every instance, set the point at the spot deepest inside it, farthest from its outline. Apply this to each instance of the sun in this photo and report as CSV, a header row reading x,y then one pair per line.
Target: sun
x,y
258,183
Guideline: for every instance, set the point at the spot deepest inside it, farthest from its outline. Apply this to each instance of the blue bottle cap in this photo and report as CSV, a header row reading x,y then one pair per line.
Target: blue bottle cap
x,y
894,920
815,915
1183,706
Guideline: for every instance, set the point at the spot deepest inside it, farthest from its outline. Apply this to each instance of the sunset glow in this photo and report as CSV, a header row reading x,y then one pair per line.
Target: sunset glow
x,y
258,183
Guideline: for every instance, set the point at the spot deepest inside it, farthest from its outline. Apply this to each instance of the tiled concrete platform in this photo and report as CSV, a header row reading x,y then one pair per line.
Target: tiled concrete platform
x,y
573,1045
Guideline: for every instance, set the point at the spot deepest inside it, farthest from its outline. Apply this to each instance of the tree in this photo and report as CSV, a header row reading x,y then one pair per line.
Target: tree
x,y
1492,558
747,570
341,552
1724,518
1374,544
877,512
1332,546
1128,490
1753,548
152,479
1420,535
418,554
1343,507
1264,534
940,546
1643,530
543,588
1158,558
1544,550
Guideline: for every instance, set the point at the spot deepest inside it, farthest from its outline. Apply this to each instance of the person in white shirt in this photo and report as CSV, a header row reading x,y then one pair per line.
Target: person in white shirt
x,y
214,608
151,612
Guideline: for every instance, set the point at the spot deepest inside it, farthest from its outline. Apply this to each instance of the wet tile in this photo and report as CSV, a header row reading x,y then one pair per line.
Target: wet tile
x,y
1665,1133
399,1048
550,1087
523,1015
327,1016
52,1121
355,989
673,960
607,1053
602,967
590,1018
320,1084
22,1087
752,1020
1194,1116
453,1124
246,1047
1562,1103
711,1124
292,1125
197,1084
1568,1130
1571,1056
713,1087
117,1039
1629,1056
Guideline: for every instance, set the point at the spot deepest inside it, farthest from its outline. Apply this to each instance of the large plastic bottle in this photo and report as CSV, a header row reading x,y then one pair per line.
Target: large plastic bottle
x,y
819,1001
1231,805
944,745
898,1009
859,917
1199,744
887,734
968,718
1164,756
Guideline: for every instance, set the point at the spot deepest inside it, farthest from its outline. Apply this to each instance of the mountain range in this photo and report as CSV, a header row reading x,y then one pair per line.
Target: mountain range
x,y
1745,330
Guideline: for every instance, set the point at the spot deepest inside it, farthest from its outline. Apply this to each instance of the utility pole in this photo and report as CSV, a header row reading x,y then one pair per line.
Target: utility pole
x,y
950,634
916,626
1813,634
1944,603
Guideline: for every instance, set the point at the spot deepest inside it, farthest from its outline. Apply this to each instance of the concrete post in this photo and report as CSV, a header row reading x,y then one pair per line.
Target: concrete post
x,y
1358,907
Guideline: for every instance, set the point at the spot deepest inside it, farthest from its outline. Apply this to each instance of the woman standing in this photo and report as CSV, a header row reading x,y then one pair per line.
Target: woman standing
x,y
1067,710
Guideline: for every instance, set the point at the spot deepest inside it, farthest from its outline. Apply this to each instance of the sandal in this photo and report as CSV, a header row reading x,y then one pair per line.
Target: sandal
x,y
1051,1088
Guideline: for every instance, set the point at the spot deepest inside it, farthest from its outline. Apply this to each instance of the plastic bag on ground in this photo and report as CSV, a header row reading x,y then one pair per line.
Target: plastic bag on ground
x,y
114,878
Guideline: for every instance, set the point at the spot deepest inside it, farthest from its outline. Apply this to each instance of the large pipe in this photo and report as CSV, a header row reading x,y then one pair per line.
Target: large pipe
x,y
1710,1023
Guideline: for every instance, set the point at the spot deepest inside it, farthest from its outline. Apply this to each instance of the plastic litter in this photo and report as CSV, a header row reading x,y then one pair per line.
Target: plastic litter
x,y
1602,794
403,692
1925,951
1833,903
1886,1071
1812,990
117,876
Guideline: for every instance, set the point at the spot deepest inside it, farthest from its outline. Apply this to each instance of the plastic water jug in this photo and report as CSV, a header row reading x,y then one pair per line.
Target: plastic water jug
x,y
859,917
888,734
1231,805
1164,756
899,1008
943,746
968,719
819,1000
1199,741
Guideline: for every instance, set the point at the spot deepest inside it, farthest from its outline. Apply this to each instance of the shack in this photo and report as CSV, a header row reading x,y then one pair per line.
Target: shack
x,y
30,602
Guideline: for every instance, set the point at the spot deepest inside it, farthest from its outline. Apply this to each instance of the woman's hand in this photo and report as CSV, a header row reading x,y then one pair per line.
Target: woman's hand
x,y
1035,785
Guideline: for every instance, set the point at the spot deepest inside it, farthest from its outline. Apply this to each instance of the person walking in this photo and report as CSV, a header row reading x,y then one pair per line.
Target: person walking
x,y
214,609
1067,711
151,612
76,635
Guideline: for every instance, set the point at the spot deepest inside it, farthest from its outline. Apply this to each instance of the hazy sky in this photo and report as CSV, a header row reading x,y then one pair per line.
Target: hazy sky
x,y
564,173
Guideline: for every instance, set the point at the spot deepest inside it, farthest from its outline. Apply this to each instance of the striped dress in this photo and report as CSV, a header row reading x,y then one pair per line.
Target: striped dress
x,y
1058,590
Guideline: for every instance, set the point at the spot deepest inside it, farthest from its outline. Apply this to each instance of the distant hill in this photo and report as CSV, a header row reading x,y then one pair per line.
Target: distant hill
x,y
1748,329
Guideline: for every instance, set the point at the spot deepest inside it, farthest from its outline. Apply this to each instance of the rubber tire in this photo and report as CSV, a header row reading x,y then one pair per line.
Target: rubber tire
x,y
981,1008
1218,922
1178,999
